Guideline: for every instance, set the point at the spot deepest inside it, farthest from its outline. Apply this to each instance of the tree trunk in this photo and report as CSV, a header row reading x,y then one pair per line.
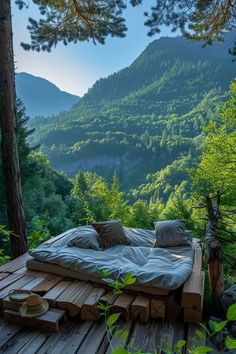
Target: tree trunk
x,y
8,120
214,251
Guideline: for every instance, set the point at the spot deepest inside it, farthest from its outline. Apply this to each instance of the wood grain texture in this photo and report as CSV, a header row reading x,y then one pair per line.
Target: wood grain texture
x,y
89,309
16,264
140,308
6,281
192,289
122,305
73,298
48,283
56,291
94,338
47,322
158,308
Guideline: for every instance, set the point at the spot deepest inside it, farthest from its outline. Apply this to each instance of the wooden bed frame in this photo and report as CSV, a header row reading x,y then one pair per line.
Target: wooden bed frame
x,y
80,298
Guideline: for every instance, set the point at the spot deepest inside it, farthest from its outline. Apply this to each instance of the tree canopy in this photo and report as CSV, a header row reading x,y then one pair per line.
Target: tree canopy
x,y
72,20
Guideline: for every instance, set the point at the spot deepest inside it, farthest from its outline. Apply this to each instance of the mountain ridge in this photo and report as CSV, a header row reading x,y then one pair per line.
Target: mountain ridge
x,y
164,99
42,97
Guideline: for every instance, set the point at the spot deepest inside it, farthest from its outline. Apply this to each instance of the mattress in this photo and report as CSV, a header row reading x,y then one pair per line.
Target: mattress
x,y
159,268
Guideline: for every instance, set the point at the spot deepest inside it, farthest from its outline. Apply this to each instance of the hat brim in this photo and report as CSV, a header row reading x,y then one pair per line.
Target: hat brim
x,y
24,310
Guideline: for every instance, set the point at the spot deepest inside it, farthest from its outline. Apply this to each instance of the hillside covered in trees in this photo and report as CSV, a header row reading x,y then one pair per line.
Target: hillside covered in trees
x,y
144,122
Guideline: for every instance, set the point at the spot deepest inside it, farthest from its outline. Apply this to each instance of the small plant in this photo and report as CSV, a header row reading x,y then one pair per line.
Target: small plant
x,y
40,231
203,334
5,236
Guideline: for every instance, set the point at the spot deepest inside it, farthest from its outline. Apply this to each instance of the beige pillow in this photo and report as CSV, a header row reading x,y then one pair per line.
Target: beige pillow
x,y
111,234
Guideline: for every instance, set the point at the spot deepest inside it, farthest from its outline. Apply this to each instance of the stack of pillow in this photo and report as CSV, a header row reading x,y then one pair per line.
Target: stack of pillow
x,y
106,234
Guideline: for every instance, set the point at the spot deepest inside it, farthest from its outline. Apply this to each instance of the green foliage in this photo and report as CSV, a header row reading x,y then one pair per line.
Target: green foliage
x,y
4,239
146,119
39,231
216,171
113,330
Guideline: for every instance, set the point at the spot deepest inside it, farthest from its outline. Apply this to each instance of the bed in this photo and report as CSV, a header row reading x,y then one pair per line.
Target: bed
x,y
157,270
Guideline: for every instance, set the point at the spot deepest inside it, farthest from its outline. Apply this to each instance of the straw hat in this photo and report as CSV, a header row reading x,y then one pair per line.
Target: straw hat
x,y
34,306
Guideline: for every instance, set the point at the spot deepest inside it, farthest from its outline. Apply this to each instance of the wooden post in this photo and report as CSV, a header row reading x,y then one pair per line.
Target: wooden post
x,y
214,251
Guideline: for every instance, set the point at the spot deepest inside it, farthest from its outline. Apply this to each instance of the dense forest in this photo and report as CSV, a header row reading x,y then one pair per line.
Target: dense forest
x,y
140,146
142,119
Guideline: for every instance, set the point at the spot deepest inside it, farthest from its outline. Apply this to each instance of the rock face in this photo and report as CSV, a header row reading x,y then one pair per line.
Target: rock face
x,y
229,297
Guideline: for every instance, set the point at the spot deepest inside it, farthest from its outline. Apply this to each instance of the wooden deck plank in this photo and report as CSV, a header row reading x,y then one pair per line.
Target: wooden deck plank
x,y
194,314
9,280
158,308
161,330
56,291
191,295
115,341
89,309
192,292
15,264
94,338
87,337
140,308
47,322
191,337
73,298
34,344
122,305
53,339
179,334
3,275
70,343
48,283
138,338
15,344
7,332
33,283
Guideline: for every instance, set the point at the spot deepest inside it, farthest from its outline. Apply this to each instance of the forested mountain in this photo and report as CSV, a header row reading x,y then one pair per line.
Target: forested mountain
x,y
144,118
41,97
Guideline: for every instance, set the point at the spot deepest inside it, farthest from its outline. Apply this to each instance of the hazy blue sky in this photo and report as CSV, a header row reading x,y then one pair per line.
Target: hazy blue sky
x,y
75,68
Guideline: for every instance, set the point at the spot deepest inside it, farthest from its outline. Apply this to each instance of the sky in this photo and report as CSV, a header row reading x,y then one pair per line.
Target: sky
x,y
76,67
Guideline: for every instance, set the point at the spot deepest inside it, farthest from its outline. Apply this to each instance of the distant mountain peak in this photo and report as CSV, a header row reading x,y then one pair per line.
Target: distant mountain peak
x,y
41,97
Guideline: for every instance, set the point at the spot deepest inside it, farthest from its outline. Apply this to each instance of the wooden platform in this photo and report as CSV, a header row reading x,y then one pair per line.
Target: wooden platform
x,y
79,298
88,337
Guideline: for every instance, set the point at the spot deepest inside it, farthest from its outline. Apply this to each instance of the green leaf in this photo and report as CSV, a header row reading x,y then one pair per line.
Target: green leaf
x,y
117,332
124,336
129,279
179,344
113,318
212,325
230,343
200,334
205,328
118,284
203,349
220,325
120,350
101,306
231,313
